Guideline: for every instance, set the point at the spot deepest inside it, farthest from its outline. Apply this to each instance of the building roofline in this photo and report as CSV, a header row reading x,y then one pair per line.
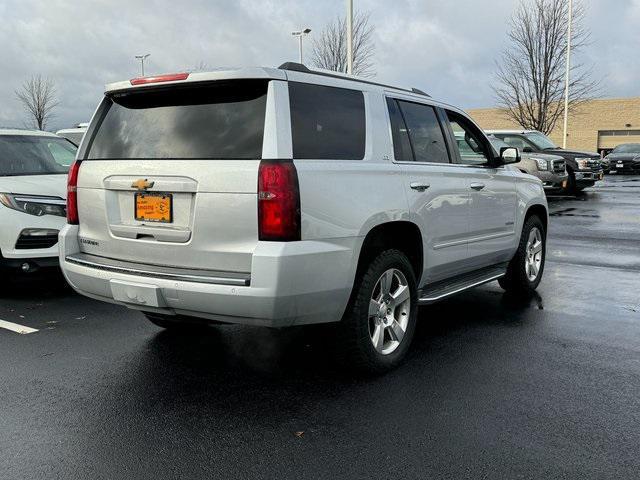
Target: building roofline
x,y
602,99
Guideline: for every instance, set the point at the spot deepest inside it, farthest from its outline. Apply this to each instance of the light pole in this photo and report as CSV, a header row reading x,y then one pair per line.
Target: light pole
x,y
350,37
301,34
142,59
567,77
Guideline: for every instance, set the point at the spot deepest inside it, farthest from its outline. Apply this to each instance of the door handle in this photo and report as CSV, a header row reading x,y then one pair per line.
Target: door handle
x,y
421,187
477,186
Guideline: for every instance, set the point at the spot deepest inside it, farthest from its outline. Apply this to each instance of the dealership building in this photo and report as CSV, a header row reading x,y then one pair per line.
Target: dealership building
x,y
598,125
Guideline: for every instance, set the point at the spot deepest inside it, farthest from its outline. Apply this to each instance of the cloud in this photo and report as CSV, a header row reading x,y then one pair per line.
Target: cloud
x,y
448,49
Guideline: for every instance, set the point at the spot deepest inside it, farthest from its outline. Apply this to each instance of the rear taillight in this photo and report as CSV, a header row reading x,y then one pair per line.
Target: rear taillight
x,y
72,193
278,201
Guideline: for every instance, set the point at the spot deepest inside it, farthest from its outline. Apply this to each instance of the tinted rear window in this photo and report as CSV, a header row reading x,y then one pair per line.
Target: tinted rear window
x,y
211,121
327,122
35,155
401,144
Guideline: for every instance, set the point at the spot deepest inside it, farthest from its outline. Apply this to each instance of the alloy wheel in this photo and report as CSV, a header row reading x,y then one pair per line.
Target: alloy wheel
x,y
533,254
389,311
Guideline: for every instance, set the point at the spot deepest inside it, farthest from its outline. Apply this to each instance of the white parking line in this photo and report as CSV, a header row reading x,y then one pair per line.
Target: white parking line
x,y
14,327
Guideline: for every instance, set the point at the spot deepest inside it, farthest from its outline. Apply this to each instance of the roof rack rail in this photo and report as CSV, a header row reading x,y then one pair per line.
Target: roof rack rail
x,y
299,67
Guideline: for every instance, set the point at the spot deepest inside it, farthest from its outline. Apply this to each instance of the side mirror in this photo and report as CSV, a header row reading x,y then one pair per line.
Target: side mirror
x,y
509,155
527,150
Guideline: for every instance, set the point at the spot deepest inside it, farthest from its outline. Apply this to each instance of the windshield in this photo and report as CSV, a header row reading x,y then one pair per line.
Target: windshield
x,y
212,121
540,140
497,143
627,148
33,155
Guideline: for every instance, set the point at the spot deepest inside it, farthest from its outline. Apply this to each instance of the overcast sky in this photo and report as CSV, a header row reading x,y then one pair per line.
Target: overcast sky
x,y
447,48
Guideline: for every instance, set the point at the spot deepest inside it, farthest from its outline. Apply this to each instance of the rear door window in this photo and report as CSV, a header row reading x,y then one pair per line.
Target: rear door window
x,y
221,120
327,122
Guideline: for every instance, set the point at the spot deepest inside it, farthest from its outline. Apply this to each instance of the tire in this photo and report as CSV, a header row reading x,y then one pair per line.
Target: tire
x,y
392,326
571,183
519,277
176,323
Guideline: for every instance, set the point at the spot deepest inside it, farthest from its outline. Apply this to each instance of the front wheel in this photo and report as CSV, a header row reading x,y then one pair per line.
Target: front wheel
x,y
379,323
571,183
525,269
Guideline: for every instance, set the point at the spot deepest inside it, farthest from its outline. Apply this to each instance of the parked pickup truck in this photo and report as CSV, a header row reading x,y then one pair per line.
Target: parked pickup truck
x,y
550,169
584,168
282,197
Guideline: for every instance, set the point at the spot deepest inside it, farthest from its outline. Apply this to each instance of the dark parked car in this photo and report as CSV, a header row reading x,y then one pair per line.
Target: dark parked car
x,y
584,168
550,169
625,158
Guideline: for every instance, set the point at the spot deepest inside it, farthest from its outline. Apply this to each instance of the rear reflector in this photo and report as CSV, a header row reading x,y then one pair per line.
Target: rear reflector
x,y
171,77
278,201
72,194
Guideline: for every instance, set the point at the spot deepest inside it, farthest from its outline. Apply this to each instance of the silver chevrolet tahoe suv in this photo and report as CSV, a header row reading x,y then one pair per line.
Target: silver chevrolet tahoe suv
x,y
282,197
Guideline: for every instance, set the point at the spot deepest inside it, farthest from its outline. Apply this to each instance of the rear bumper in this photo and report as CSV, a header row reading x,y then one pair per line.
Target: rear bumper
x,y
292,283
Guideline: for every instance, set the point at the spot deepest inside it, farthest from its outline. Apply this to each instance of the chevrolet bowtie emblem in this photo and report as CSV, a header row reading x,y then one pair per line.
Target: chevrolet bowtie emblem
x,y
142,184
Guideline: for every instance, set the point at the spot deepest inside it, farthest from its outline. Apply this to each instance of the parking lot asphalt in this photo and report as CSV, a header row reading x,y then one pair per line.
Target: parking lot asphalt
x,y
494,387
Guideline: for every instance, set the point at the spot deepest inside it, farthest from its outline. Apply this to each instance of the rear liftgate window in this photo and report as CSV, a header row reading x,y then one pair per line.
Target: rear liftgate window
x,y
327,122
222,120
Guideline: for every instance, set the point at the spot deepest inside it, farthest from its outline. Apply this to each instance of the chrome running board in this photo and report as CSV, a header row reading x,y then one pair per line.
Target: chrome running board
x,y
446,288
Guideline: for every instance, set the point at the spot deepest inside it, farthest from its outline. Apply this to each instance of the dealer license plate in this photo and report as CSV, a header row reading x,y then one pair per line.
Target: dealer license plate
x,y
154,207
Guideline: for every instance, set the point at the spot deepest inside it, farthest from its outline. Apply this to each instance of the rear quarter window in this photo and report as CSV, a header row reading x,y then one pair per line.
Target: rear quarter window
x,y
222,120
327,122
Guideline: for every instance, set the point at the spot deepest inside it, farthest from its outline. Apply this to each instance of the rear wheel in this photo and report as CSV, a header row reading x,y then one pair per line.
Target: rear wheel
x,y
379,324
525,269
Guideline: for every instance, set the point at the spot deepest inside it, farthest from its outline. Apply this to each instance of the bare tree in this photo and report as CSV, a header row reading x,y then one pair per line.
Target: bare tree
x,y
38,97
201,66
531,72
330,50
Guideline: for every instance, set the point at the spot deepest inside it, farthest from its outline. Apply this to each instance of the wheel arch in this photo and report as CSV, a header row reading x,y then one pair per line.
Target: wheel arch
x,y
540,211
402,235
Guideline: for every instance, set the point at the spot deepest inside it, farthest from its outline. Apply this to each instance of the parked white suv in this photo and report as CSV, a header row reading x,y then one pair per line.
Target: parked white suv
x,y
282,197
74,135
33,174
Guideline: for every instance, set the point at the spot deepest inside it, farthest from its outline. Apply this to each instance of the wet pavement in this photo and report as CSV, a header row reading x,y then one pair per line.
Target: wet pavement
x,y
494,387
